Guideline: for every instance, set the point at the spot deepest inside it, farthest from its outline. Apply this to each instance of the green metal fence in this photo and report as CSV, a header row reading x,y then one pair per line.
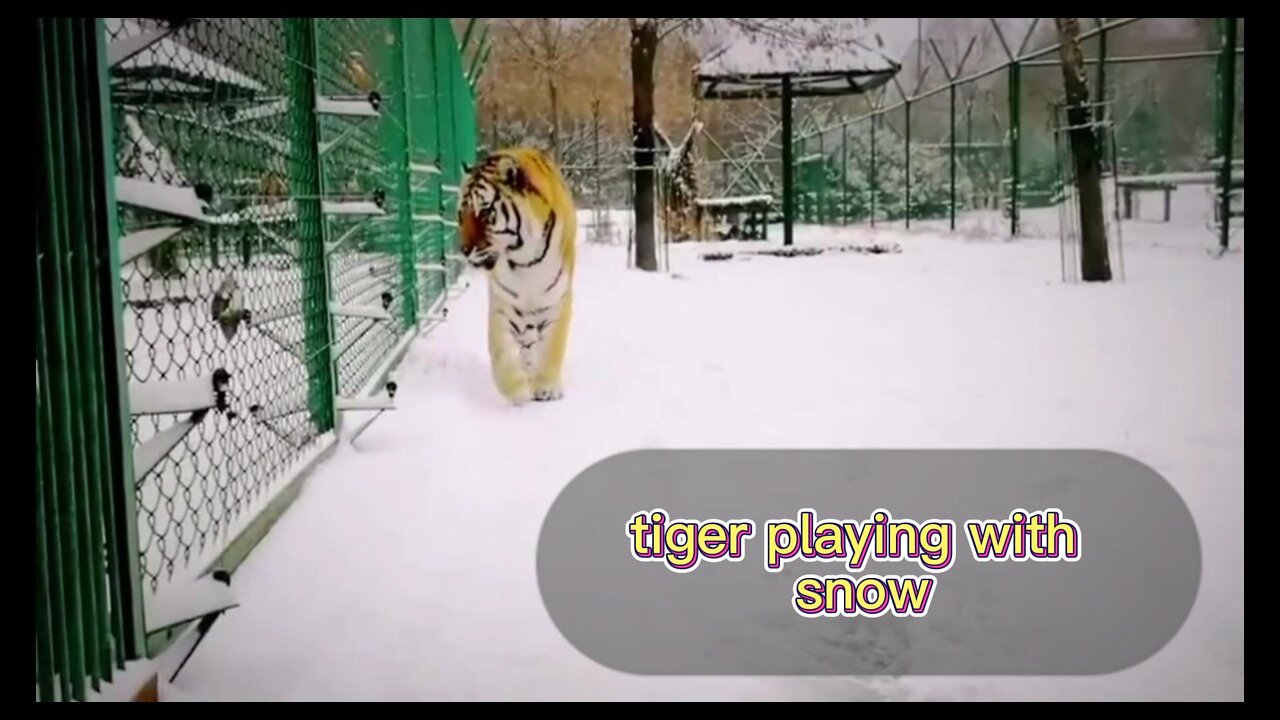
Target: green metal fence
x,y
87,590
272,201
983,141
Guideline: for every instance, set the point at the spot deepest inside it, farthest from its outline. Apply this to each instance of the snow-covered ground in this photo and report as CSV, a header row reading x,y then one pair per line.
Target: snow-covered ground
x,y
406,569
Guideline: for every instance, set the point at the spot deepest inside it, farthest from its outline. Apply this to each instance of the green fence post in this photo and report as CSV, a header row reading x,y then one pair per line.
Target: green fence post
x,y
820,201
1225,116
801,179
399,150
951,90
123,528
788,166
968,147
65,366
305,182
83,131
873,185
425,148
89,610
447,159
906,205
1015,130
844,174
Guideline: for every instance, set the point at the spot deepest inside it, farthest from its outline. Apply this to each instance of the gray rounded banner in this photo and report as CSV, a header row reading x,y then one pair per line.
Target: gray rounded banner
x,y
842,562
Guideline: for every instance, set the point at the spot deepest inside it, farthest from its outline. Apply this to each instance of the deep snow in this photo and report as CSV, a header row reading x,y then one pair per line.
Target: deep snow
x,y
406,569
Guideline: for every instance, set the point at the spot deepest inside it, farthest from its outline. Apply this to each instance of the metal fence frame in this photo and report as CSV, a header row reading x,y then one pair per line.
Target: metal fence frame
x,y
1225,103
244,223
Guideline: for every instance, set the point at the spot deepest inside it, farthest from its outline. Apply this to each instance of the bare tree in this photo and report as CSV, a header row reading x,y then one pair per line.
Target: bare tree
x,y
1094,261
646,36
551,47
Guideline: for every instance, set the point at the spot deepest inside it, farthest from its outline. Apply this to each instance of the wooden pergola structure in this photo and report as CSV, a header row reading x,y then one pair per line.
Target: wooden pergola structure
x,y
745,70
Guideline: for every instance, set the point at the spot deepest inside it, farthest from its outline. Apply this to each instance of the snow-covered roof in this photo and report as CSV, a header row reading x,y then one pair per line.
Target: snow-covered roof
x,y
829,57
757,58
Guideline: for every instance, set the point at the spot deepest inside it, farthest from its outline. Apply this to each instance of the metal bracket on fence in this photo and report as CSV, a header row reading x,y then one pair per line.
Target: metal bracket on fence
x,y
149,454
375,283
204,600
280,242
375,404
436,317
185,202
276,313
267,415
347,404
360,291
460,260
179,396
136,244
192,203
323,147
258,111
357,106
122,49
345,236
356,207
280,408
360,311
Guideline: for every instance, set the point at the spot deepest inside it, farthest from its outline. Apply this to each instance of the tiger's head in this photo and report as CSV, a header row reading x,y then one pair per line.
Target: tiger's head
x,y
498,207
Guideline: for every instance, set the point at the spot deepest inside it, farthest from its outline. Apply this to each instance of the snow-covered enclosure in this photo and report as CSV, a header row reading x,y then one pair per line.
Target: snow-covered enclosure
x,y
406,570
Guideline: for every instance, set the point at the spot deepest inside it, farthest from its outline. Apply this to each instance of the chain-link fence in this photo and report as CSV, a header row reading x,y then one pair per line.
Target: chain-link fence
x,y
980,144
284,191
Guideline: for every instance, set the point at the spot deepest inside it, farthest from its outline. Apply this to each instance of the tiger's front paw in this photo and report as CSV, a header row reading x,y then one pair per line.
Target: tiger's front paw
x,y
521,397
548,394
515,389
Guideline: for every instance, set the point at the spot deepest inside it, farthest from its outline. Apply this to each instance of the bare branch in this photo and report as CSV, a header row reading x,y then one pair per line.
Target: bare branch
x,y
674,25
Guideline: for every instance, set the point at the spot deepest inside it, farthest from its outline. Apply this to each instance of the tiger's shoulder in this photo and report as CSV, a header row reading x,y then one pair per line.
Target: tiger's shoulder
x,y
544,174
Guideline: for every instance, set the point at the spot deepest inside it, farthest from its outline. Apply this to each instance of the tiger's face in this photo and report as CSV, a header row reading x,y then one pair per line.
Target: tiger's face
x,y
492,210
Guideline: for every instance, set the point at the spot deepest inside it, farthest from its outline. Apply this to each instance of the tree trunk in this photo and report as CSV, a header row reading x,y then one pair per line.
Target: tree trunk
x,y
644,49
555,118
1095,265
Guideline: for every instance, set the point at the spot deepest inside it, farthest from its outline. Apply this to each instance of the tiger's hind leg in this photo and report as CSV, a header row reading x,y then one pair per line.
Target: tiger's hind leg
x,y
547,385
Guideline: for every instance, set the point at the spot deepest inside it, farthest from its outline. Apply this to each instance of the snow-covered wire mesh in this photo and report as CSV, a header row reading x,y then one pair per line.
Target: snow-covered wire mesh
x,y
301,175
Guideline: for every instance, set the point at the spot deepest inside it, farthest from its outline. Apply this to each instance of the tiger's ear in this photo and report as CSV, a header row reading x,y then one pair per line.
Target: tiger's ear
x,y
466,169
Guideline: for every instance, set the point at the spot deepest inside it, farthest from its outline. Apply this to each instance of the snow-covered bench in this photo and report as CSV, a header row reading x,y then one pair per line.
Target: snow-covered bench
x,y
756,208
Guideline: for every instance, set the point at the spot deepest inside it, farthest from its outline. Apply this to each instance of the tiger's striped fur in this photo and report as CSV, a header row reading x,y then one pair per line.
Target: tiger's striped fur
x,y
518,223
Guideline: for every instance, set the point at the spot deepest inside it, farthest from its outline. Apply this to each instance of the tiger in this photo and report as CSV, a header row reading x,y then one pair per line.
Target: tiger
x,y
517,224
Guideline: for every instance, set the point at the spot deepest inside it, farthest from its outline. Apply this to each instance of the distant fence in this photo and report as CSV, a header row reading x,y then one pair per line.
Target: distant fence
x,y
983,141
242,224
